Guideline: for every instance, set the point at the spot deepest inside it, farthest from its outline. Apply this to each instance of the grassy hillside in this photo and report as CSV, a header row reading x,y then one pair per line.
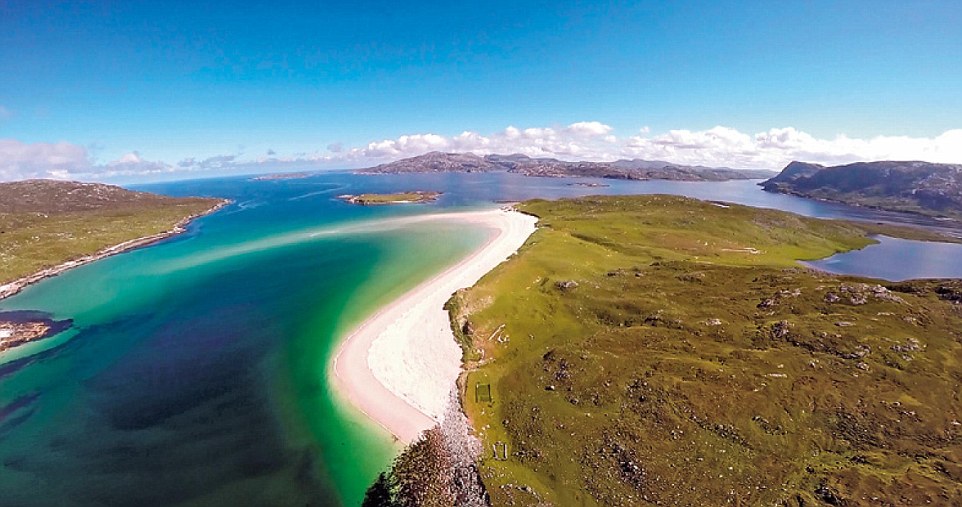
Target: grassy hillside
x,y
658,350
913,187
44,223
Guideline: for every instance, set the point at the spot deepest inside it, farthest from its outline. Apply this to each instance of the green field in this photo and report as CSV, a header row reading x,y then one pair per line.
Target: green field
x,y
661,350
45,223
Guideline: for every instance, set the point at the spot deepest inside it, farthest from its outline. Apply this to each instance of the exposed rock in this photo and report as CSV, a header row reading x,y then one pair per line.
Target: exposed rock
x,y
781,329
440,468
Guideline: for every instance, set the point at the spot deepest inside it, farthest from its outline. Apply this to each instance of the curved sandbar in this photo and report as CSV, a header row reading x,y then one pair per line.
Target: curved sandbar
x,y
399,366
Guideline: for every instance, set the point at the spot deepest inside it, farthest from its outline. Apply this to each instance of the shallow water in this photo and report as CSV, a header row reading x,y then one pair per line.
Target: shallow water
x,y
195,370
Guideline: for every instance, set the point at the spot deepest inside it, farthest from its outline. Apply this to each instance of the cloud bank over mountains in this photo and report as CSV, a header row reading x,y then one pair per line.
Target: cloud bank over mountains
x,y
590,140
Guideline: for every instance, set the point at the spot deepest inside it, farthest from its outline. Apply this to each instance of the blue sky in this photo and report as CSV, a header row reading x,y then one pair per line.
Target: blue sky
x,y
171,81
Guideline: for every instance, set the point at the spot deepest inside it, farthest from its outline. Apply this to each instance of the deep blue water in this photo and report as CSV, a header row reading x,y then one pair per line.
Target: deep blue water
x,y
897,259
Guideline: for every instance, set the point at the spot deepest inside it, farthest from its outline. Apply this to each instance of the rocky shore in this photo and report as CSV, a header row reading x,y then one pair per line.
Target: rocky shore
x,y
22,327
16,286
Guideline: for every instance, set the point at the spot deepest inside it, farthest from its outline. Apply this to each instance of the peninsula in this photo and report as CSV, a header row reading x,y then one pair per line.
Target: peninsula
x,y
439,162
922,188
659,350
48,227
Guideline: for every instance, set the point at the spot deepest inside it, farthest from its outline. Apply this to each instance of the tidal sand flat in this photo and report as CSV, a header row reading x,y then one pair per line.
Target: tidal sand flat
x,y
399,366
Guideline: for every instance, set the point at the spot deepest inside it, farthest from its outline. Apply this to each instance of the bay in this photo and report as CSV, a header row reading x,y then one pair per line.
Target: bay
x,y
195,369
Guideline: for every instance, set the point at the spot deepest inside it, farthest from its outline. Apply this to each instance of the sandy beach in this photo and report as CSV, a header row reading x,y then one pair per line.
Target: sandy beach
x,y
400,364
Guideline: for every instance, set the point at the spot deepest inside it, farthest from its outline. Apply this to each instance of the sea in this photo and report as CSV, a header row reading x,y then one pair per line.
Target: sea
x,y
195,371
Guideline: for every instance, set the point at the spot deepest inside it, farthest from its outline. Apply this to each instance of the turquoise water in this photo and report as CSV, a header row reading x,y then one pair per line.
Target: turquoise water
x,y
195,369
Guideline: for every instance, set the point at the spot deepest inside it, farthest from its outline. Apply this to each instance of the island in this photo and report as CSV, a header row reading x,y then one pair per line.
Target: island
x,y
49,226
661,350
588,185
637,169
415,197
21,327
282,176
921,188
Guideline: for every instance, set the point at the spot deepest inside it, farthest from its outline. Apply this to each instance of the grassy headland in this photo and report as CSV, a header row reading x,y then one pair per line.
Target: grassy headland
x,y
921,188
661,350
44,223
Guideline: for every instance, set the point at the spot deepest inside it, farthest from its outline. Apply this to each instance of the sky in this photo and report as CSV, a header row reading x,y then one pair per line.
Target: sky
x,y
139,91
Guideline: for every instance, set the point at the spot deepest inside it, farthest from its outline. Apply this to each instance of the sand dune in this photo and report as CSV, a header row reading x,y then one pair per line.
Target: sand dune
x,y
399,365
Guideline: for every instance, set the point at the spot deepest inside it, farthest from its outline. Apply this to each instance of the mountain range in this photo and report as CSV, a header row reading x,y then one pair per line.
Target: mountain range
x,y
549,167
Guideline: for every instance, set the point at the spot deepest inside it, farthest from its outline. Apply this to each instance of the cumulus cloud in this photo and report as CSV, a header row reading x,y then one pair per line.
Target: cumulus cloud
x,y
19,160
589,140
723,146
581,140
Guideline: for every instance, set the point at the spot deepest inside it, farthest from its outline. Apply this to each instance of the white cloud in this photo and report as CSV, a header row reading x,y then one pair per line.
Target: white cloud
x,y
588,128
19,160
723,146
590,140
128,158
578,140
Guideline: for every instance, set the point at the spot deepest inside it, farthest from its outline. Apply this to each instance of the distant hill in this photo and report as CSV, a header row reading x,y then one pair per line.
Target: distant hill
x,y
916,187
549,167
53,196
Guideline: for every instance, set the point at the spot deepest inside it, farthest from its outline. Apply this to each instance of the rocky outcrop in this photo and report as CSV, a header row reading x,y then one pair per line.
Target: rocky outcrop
x,y
439,469
21,327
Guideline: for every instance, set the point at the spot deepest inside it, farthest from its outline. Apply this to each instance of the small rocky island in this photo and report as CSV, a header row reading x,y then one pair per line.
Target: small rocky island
x,y
22,327
282,176
415,197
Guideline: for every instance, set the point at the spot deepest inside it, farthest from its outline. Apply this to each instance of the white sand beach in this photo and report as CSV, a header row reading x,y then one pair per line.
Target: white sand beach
x,y
399,366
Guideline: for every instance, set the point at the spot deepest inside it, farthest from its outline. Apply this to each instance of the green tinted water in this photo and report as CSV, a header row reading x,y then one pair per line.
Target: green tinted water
x,y
195,372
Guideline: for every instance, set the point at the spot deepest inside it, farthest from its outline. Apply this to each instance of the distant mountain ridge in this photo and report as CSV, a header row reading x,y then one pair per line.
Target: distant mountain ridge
x,y
917,187
636,169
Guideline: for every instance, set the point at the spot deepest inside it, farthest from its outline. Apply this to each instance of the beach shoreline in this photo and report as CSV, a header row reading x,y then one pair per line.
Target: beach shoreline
x,y
400,364
12,288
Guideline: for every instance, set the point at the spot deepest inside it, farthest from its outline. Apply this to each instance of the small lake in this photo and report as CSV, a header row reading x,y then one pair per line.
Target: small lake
x,y
897,259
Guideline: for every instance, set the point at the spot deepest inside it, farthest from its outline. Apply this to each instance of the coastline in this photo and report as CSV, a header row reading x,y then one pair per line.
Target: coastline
x,y
399,365
14,287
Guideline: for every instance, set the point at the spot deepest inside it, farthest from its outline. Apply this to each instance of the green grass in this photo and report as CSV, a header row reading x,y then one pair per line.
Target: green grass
x,y
399,197
625,390
33,241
